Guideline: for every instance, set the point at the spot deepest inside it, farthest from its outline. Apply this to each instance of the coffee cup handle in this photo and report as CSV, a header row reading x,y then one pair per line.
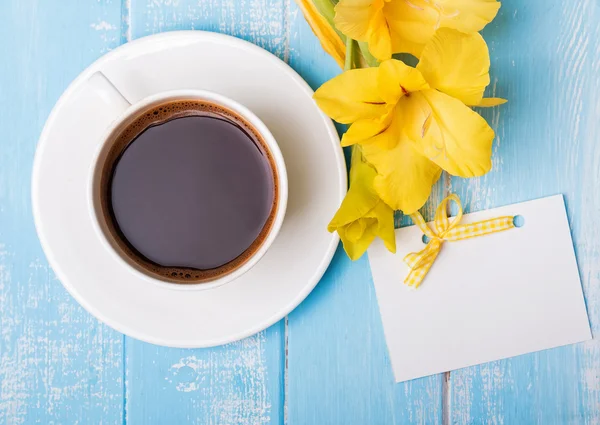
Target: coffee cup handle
x,y
108,93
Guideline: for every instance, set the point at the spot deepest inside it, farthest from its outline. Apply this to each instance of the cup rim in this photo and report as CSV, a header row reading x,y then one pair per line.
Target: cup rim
x,y
244,113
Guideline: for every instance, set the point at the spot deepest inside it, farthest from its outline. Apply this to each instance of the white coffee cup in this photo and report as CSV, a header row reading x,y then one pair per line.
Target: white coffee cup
x,y
113,98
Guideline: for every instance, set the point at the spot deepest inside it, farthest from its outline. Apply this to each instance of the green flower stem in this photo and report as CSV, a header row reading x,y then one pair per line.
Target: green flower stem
x,y
327,9
369,59
349,54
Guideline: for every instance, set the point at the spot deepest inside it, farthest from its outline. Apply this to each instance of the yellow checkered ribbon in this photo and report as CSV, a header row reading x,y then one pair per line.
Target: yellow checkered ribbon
x,y
447,230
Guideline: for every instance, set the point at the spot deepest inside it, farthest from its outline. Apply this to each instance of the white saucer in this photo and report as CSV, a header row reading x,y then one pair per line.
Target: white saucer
x,y
292,266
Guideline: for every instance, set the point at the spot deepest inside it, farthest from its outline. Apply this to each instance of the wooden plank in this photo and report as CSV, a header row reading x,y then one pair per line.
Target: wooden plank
x,y
240,383
546,61
338,365
57,363
339,370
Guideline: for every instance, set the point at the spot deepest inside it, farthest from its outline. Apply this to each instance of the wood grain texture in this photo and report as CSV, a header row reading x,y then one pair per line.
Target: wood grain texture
x,y
327,363
547,143
240,383
339,370
57,363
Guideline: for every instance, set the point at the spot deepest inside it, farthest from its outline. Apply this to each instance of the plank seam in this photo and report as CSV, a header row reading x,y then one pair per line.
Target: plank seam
x,y
446,384
125,21
124,379
284,416
446,399
125,38
286,57
287,30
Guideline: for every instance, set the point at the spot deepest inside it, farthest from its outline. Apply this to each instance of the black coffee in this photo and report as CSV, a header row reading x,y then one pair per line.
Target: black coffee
x,y
190,191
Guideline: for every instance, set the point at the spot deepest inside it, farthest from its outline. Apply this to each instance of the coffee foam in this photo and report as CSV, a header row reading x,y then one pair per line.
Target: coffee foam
x,y
157,115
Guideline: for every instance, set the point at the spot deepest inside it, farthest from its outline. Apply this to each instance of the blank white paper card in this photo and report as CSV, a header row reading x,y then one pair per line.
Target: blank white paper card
x,y
486,298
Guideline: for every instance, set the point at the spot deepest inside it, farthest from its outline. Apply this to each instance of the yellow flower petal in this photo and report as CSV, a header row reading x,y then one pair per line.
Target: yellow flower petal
x,y
407,120
363,215
330,40
405,26
488,102
457,64
412,23
353,17
385,225
355,249
380,41
359,200
457,139
415,115
356,229
405,176
371,130
363,20
396,79
467,15
351,96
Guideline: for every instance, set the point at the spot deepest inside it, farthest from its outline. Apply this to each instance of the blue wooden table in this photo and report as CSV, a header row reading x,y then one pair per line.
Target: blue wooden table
x,y
326,363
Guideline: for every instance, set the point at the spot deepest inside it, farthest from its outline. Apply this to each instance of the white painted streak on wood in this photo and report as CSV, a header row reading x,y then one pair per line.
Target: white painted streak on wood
x,y
239,382
589,231
339,371
13,383
552,147
240,393
109,34
580,82
103,26
53,359
125,21
57,363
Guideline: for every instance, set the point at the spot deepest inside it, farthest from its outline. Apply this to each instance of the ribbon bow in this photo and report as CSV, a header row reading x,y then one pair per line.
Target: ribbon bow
x,y
447,230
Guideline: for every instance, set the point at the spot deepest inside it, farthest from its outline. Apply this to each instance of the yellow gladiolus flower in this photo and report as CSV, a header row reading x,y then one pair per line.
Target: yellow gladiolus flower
x,y
405,26
330,40
414,122
363,215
